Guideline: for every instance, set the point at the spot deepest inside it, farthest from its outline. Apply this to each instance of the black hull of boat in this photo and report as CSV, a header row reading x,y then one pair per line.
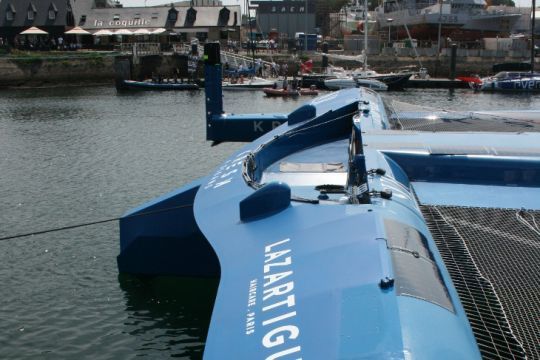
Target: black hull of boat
x,y
316,80
394,81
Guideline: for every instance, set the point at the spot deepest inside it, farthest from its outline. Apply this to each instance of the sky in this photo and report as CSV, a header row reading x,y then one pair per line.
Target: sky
x,y
241,2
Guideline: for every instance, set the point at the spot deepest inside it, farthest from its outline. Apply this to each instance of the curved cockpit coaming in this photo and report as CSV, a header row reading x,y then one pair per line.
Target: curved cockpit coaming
x,y
324,129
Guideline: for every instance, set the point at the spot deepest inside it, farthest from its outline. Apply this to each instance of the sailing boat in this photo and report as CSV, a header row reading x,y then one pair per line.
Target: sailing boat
x,y
392,80
513,81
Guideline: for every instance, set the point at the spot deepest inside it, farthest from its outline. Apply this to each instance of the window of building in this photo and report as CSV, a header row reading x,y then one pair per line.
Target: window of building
x,y
9,15
137,16
173,15
70,19
31,13
191,16
53,10
155,15
116,17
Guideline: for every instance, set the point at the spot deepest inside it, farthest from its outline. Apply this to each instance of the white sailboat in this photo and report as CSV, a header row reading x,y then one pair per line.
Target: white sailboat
x,y
393,81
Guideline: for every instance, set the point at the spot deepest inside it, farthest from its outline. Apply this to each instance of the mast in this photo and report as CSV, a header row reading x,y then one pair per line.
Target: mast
x,y
532,33
305,26
366,32
250,41
439,31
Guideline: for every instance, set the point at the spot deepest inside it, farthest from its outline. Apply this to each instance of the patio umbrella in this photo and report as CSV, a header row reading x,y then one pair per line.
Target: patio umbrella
x,y
77,31
34,31
123,32
142,32
103,33
159,31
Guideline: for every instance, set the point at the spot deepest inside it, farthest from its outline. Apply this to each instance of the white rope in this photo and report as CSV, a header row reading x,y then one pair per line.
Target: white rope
x,y
533,227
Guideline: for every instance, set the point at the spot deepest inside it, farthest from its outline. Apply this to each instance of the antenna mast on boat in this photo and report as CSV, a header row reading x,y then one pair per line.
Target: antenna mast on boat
x,y
251,43
532,34
366,32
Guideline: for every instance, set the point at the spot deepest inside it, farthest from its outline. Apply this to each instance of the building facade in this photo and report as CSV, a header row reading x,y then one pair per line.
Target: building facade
x,y
286,17
53,16
57,16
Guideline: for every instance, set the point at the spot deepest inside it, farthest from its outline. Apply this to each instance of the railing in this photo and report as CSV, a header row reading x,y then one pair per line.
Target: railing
x,y
140,49
227,57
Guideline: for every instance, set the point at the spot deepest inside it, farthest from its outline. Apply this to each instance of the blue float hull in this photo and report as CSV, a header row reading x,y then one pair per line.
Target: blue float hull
x,y
512,82
316,233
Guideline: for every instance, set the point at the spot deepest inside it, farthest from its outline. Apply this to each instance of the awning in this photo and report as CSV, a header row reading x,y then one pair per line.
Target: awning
x,y
159,31
103,33
77,31
123,32
34,31
142,32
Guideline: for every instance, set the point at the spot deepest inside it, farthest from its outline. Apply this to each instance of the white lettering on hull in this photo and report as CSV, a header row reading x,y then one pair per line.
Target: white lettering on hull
x,y
278,313
279,301
224,174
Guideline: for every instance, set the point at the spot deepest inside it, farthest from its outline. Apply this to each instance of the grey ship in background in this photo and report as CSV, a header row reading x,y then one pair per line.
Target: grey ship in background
x,y
461,20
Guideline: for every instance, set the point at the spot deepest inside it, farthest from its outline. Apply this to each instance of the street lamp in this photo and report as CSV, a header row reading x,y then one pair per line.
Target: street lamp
x,y
389,21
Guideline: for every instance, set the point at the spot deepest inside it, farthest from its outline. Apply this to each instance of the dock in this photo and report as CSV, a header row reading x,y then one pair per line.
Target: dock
x,y
436,83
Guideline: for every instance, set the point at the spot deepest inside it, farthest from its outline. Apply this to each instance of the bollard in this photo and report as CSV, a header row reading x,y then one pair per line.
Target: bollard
x,y
325,58
122,70
453,57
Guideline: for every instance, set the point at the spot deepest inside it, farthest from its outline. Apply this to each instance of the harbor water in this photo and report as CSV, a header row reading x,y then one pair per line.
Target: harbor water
x,y
77,155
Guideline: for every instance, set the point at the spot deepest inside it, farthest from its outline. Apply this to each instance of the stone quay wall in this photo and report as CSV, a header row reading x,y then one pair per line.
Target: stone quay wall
x,y
94,68
52,70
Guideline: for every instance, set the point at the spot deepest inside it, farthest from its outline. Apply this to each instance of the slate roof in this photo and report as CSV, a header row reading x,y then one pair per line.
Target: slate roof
x,y
112,18
41,15
153,17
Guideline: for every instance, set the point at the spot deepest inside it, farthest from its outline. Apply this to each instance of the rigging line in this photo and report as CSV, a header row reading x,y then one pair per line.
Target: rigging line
x,y
468,113
521,218
68,227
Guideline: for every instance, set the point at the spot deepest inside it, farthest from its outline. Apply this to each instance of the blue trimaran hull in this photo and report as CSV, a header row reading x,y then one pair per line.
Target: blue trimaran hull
x,y
312,271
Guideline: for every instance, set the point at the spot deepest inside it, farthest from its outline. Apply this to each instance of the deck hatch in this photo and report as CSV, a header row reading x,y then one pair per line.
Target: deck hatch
x,y
416,273
492,256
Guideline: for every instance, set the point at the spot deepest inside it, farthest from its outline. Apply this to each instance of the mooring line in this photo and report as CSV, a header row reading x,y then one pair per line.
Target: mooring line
x,y
69,227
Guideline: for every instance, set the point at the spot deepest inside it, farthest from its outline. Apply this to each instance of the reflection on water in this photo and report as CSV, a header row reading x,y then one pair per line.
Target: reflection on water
x,y
176,311
76,155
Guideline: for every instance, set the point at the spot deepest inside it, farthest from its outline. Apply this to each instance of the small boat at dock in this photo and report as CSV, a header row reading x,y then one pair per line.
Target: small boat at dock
x,y
351,82
254,83
290,92
509,81
151,85
394,81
